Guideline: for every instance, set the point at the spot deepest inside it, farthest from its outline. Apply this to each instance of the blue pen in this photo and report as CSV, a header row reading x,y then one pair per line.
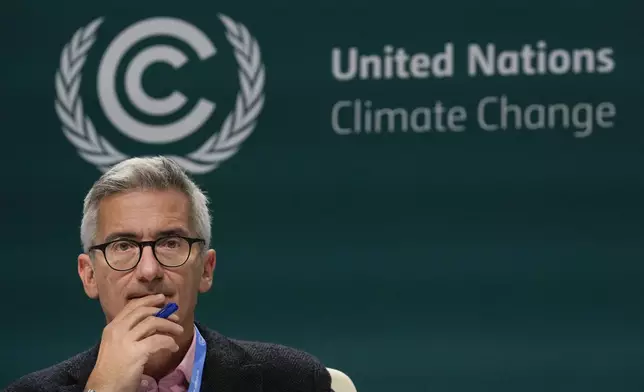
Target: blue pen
x,y
167,310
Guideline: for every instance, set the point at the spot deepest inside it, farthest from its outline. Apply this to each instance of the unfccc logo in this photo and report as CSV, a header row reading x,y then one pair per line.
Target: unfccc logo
x,y
95,149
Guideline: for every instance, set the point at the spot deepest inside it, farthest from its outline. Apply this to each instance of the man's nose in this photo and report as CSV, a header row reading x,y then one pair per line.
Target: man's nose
x,y
149,268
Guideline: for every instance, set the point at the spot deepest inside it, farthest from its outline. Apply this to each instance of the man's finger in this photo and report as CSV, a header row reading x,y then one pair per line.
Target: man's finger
x,y
154,325
137,316
174,317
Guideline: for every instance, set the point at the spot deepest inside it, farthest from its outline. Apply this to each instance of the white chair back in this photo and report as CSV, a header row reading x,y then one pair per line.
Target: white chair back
x,y
340,382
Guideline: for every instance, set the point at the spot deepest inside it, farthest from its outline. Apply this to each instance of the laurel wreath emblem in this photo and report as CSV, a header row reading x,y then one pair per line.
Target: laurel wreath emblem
x,y
238,125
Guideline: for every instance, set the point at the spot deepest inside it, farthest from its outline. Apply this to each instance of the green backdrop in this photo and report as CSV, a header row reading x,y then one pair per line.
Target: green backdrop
x,y
507,260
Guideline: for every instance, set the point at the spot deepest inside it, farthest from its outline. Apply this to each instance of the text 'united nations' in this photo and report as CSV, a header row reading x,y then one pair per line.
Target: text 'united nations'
x,y
397,63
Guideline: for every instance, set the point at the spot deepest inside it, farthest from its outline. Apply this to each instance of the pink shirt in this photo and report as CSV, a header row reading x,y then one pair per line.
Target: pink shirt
x,y
176,381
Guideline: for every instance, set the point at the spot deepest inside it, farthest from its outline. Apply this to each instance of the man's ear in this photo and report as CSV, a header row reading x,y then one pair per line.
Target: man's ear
x,y
207,272
87,275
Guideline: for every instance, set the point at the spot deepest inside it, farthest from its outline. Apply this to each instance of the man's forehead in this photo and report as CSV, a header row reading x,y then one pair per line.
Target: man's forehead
x,y
144,214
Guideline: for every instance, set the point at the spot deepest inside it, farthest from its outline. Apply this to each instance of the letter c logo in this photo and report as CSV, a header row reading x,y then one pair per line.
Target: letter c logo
x,y
108,99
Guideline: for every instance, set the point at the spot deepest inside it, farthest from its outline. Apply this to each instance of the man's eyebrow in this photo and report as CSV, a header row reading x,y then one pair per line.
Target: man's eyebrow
x,y
174,231
133,236
123,234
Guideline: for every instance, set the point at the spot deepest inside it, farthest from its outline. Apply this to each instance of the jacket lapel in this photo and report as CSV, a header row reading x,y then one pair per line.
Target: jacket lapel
x,y
228,368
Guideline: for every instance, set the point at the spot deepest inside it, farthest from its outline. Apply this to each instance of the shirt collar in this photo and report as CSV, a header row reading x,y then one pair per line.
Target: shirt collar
x,y
185,366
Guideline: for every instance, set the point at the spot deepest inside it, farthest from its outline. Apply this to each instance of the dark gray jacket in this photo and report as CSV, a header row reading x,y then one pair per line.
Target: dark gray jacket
x,y
231,366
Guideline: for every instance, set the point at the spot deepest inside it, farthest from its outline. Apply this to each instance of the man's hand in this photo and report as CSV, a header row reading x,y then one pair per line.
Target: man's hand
x,y
127,343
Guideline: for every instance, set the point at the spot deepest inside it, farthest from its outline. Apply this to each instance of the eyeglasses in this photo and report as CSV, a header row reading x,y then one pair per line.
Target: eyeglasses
x,y
124,255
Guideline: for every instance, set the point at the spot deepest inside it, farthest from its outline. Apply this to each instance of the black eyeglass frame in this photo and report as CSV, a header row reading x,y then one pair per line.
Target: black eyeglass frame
x,y
143,244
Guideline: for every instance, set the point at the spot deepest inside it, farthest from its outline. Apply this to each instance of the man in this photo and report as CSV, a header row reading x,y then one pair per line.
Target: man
x,y
146,234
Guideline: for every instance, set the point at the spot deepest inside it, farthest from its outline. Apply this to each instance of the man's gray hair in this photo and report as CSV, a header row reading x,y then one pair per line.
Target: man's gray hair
x,y
150,173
